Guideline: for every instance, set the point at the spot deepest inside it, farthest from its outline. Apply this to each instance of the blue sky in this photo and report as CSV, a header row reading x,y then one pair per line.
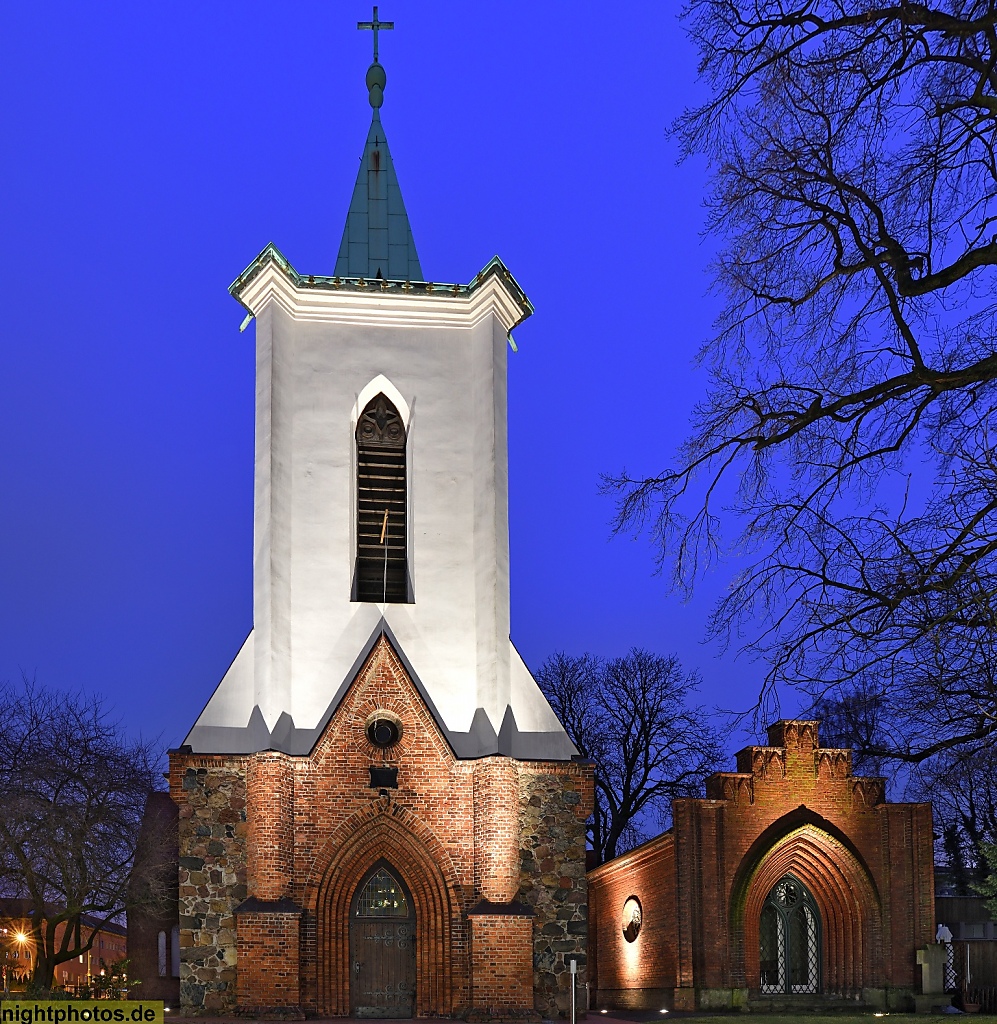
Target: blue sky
x,y
151,151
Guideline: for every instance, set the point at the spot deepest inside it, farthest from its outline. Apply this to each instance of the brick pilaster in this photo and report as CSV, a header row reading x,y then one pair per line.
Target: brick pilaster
x,y
270,817
496,828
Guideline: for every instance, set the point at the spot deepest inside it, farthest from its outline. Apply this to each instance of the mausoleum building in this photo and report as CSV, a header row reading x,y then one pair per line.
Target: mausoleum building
x,y
793,883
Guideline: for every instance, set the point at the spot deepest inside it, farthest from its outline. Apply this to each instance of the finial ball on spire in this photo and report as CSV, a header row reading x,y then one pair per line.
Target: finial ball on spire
x,y
376,76
376,79
375,73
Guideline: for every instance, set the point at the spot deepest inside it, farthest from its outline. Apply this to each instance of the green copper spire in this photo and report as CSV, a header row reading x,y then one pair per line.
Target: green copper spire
x,y
377,240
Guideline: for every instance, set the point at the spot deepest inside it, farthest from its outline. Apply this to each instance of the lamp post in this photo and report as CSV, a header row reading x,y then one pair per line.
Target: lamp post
x,y
574,974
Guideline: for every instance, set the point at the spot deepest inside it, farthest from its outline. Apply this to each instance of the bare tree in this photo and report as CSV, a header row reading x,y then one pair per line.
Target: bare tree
x,y
960,782
846,428
962,786
854,718
73,789
629,715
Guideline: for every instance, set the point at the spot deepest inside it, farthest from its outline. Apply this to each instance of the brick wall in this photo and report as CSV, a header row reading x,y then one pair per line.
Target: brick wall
x,y
424,830
153,890
791,807
269,970
501,964
496,828
270,824
309,830
637,975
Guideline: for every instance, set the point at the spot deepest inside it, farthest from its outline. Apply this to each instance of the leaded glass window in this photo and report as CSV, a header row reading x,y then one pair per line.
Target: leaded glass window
x,y
772,950
789,939
382,896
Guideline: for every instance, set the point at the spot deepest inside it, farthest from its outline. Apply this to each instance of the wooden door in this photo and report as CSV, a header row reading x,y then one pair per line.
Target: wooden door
x,y
382,948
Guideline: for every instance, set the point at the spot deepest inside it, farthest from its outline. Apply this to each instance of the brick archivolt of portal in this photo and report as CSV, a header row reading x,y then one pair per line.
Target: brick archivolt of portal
x,y
496,828
391,835
845,895
270,817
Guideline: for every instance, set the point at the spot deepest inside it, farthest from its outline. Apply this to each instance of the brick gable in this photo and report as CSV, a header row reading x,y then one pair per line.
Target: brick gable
x,y
311,829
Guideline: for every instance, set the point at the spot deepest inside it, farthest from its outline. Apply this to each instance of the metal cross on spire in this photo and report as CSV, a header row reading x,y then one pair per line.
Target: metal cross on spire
x,y
375,26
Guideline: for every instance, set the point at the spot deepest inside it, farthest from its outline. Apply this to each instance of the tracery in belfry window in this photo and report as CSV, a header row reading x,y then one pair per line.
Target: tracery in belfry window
x,y
382,556
382,896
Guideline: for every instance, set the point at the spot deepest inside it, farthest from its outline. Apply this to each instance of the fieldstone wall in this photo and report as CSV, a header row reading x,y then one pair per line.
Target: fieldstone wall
x,y
555,801
211,794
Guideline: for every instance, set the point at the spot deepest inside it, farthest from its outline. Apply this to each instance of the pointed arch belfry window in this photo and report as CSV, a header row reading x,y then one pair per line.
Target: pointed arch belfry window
x,y
382,514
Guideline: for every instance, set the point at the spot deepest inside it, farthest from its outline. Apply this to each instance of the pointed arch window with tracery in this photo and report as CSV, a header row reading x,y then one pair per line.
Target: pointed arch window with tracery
x,y
789,939
382,896
382,514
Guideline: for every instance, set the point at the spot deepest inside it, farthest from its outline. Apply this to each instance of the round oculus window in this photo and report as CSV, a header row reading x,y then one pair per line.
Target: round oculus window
x,y
633,918
383,732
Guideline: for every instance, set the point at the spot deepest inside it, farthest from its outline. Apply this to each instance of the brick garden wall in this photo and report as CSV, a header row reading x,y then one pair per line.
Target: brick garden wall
x,y
638,975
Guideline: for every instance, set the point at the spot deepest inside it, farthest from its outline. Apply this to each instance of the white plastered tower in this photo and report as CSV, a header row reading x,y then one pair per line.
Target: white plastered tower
x,y
325,348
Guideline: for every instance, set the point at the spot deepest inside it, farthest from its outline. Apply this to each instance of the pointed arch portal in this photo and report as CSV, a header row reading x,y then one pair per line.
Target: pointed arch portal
x,y
374,860
844,933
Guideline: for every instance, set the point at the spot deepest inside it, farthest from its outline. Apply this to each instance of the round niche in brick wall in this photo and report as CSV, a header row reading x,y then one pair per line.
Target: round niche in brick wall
x,y
383,729
633,918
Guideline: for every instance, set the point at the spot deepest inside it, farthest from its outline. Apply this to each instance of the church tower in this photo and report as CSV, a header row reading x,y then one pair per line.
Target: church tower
x,y
380,815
